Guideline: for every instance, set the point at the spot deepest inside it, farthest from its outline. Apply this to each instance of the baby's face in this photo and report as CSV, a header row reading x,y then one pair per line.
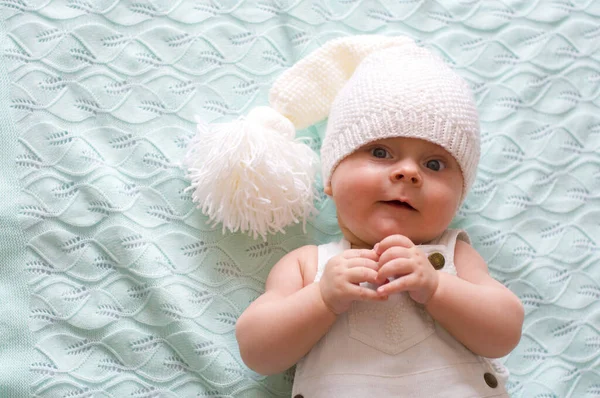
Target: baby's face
x,y
401,186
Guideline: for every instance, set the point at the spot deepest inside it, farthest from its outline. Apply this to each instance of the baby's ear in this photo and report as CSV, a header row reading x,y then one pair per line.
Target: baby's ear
x,y
328,190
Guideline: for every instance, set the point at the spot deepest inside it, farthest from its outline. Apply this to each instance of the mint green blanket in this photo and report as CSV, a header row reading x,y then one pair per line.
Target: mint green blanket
x,y
114,285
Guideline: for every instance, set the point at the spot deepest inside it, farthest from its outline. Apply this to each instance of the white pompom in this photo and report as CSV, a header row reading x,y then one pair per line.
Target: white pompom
x,y
251,175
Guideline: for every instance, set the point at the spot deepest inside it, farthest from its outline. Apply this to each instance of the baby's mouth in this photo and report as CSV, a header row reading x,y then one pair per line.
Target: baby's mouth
x,y
400,204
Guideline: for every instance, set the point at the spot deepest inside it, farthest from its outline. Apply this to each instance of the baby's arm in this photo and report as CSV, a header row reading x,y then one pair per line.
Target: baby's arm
x,y
280,326
476,309
283,324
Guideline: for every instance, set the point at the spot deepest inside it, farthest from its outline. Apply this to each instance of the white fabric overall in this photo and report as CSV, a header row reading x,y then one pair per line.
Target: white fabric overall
x,y
394,348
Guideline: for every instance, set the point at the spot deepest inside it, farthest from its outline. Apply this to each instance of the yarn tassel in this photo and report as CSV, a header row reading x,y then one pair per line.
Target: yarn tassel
x,y
251,175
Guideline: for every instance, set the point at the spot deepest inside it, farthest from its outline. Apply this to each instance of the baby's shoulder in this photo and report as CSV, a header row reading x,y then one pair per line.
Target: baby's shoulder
x,y
293,271
308,262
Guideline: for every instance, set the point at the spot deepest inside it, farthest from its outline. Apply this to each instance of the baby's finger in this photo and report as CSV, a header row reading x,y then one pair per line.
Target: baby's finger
x,y
393,253
362,262
393,240
361,274
364,294
364,253
395,268
401,284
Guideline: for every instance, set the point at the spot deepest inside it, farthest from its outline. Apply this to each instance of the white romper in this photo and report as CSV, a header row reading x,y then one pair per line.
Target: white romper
x,y
394,348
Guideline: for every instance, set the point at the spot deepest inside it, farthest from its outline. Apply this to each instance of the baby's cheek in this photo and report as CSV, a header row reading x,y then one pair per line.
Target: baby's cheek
x,y
344,204
441,206
446,211
344,208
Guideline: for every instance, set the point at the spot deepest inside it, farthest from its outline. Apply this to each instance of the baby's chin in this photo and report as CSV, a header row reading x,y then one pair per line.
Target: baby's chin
x,y
369,235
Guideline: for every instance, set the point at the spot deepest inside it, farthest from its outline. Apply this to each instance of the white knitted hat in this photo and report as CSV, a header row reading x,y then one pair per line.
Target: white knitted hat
x,y
404,92
252,175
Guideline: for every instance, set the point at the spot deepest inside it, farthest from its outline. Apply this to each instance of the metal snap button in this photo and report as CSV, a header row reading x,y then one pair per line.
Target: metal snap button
x,y
490,380
437,260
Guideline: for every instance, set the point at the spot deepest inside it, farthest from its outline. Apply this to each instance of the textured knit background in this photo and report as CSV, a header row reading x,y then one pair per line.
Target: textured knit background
x,y
112,285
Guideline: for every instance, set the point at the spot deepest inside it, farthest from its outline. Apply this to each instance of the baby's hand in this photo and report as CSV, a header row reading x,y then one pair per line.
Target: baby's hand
x,y
401,259
343,273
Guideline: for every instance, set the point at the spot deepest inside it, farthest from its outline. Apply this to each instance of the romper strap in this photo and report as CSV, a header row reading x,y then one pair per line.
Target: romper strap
x,y
325,252
449,238
441,249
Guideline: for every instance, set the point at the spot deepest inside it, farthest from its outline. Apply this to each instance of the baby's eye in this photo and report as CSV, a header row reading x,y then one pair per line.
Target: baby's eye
x,y
435,165
379,153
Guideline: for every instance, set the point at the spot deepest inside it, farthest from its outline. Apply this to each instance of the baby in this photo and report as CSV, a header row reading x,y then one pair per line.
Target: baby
x,y
402,306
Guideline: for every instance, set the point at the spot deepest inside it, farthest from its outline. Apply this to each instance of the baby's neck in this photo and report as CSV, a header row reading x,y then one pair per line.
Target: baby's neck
x,y
356,243
360,246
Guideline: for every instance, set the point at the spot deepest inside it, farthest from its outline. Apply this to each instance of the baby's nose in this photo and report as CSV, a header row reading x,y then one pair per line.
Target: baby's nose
x,y
407,173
